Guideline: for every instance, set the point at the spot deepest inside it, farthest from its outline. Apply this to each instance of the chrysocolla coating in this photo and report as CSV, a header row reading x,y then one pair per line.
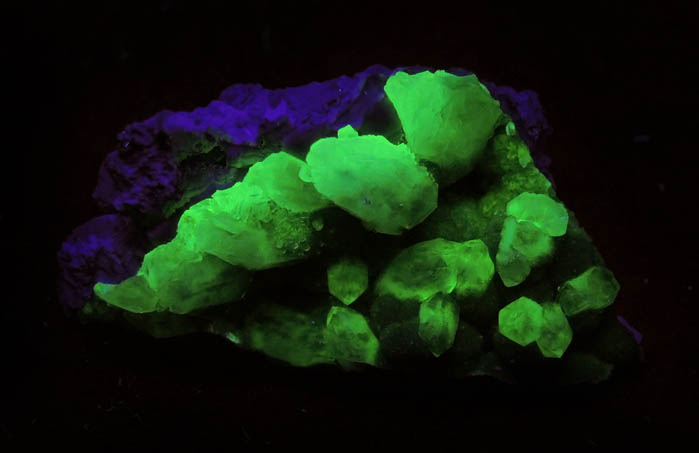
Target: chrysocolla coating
x,y
556,333
348,278
439,320
374,180
447,119
521,321
594,289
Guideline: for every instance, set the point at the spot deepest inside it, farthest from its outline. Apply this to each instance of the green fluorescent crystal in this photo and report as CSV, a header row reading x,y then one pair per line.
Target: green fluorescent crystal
x,y
594,289
521,321
133,294
447,119
379,182
348,278
556,333
439,320
437,266
522,246
547,214
349,336
244,227
286,334
267,261
473,266
278,177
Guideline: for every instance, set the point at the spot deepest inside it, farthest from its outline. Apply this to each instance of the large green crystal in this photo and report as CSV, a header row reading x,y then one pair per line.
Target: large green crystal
x,y
373,179
410,232
447,119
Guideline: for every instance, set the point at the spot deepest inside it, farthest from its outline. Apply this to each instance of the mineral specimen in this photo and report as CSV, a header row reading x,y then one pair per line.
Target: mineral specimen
x,y
265,215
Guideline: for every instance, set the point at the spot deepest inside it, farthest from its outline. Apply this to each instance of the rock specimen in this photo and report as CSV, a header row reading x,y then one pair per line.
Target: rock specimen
x,y
394,219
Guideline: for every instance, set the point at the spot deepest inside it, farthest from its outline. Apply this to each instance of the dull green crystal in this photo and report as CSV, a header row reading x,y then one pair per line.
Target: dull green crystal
x,y
410,232
556,333
439,319
349,336
594,289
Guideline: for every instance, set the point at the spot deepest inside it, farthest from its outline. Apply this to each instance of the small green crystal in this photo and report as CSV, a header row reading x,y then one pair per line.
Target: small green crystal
x,y
348,278
594,289
547,214
556,333
439,319
521,321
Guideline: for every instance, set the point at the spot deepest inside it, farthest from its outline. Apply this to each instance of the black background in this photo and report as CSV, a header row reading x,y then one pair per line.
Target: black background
x,y
605,74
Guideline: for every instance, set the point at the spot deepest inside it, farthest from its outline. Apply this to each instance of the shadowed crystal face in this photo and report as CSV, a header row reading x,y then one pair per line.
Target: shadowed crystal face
x,y
406,213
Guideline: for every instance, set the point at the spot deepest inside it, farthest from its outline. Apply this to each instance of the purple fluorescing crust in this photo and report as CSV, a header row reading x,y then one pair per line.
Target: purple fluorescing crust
x,y
145,173
637,336
108,249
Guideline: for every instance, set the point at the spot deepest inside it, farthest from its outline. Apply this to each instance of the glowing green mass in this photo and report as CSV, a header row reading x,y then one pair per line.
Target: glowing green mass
x,y
447,119
348,279
373,179
594,289
521,321
439,319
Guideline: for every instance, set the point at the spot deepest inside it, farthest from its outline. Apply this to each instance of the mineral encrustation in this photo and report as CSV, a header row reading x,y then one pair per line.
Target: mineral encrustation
x,y
396,219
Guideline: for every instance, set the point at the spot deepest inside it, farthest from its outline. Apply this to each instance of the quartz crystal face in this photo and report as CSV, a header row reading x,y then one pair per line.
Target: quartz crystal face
x,y
394,219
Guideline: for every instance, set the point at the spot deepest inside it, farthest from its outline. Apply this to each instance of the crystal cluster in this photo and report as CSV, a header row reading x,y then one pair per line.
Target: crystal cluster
x,y
400,223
